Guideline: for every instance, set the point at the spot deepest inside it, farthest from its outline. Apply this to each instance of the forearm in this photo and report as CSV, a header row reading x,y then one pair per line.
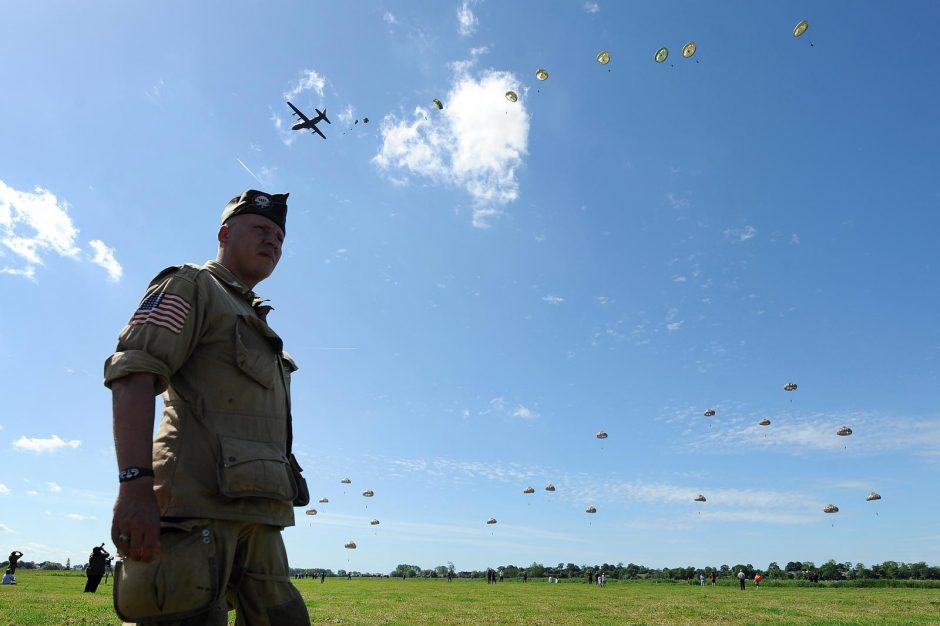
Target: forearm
x,y
133,407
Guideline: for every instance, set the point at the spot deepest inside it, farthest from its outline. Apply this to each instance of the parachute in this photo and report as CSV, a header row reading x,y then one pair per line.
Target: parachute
x,y
529,490
365,120
689,49
831,508
764,422
345,481
438,103
601,435
844,431
324,500
541,74
512,96
699,498
590,509
374,522
311,511
368,493
872,496
351,545
800,28
791,386
661,55
549,487
710,413
492,520
603,57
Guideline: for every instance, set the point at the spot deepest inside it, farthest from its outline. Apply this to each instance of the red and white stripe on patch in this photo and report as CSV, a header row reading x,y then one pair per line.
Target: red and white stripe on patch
x,y
162,309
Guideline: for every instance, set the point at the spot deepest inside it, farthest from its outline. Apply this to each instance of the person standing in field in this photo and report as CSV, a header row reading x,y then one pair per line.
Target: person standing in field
x,y
757,579
714,578
218,483
14,559
741,578
97,563
701,579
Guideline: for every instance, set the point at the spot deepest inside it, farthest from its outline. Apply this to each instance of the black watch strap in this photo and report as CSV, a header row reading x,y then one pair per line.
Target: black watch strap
x,y
133,473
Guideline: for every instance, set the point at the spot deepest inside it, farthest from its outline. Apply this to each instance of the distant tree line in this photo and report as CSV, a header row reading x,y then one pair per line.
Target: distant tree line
x,y
793,570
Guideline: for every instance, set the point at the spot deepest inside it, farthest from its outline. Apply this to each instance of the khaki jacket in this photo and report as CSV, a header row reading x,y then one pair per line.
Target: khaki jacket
x,y
222,444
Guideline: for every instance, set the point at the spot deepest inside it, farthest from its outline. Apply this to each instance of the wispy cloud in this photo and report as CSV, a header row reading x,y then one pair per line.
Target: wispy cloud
x,y
155,93
467,22
104,257
553,299
591,7
54,487
310,80
6,529
679,201
740,234
4,488
40,445
476,143
32,492
389,18
80,518
524,412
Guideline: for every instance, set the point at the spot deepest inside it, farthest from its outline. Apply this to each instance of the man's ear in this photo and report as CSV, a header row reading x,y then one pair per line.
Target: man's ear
x,y
223,234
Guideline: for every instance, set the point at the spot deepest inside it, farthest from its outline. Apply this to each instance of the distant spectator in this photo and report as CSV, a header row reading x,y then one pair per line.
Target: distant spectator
x,y
8,578
525,577
14,559
714,578
97,562
741,578
757,579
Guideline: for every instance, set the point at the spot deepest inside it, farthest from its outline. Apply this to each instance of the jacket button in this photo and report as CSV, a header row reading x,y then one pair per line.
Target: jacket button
x,y
231,459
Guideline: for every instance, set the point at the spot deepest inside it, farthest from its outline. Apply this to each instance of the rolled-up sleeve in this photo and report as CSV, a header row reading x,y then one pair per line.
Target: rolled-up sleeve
x,y
161,334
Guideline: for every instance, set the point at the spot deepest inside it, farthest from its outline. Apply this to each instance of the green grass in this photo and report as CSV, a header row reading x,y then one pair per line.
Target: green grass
x,y
56,599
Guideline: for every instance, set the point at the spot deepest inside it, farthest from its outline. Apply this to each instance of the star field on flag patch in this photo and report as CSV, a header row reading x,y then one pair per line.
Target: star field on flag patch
x,y
162,309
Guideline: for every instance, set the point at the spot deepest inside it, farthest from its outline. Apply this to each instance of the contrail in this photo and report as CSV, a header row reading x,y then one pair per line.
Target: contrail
x,y
249,171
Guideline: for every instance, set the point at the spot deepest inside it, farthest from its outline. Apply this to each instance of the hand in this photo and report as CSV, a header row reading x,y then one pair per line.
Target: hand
x,y
135,528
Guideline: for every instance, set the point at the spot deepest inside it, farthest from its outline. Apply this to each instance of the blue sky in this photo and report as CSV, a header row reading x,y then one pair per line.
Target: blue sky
x,y
472,293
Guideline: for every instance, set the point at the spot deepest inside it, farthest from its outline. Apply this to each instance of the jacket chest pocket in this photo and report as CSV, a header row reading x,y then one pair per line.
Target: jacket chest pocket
x,y
254,352
254,469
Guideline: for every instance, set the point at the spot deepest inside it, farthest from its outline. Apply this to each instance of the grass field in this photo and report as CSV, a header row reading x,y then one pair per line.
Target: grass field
x,y
56,599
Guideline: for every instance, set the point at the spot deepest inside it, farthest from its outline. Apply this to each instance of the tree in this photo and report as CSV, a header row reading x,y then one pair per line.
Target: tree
x,y
774,571
536,570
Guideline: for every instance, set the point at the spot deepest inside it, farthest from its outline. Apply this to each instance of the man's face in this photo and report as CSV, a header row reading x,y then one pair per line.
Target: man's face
x,y
251,247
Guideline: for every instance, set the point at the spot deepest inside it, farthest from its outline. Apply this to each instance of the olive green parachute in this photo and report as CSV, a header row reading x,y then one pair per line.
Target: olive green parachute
x,y
541,74
311,511
368,493
529,490
831,508
661,55
800,28
374,522
764,422
710,413
603,57
492,520
844,431
872,496
790,386
590,509
345,481
601,435
699,498
324,500
512,96
438,103
689,49
549,487
351,545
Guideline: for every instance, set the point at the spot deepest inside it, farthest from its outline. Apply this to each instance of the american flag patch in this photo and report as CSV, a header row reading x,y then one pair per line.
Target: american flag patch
x,y
162,309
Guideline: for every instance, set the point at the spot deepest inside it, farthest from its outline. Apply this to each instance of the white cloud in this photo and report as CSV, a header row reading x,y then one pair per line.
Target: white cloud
x,y
674,325
54,487
32,493
155,93
679,201
80,518
466,21
6,529
795,239
104,257
591,7
4,488
309,80
39,445
553,299
347,115
389,19
524,412
741,234
476,143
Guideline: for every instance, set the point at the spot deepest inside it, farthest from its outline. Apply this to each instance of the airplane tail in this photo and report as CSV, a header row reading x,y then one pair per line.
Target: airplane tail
x,y
323,115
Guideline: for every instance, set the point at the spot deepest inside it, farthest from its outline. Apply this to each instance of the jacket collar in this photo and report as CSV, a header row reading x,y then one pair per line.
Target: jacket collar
x,y
225,276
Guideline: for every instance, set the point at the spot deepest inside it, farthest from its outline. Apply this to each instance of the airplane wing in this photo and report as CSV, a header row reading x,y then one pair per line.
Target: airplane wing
x,y
297,112
317,131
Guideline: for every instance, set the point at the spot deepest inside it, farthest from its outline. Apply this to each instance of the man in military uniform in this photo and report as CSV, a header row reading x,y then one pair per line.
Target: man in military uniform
x,y
219,467
97,564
